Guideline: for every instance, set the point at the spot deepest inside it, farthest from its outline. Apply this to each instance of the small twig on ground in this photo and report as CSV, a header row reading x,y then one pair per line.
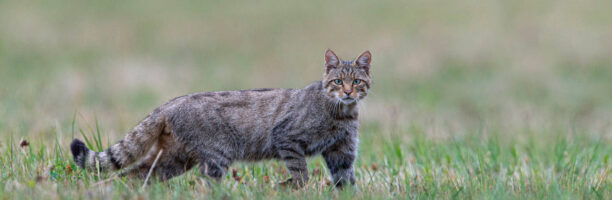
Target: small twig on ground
x,y
152,167
102,182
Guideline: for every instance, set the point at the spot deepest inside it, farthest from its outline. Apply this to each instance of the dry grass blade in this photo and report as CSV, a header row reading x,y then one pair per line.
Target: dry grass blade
x,y
144,185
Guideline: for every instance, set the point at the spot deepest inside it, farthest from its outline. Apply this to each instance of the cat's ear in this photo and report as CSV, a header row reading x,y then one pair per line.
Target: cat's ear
x,y
363,61
331,60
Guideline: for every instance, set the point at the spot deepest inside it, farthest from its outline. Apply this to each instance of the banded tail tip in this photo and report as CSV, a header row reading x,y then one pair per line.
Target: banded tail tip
x,y
78,149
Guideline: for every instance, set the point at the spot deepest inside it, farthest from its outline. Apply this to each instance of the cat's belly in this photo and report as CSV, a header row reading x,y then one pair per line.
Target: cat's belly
x,y
321,144
257,152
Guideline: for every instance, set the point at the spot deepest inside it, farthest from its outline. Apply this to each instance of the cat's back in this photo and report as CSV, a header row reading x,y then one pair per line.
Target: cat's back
x,y
245,111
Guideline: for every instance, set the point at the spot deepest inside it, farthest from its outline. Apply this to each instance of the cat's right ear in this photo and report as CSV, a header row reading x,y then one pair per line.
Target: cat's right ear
x,y
331,60
363,61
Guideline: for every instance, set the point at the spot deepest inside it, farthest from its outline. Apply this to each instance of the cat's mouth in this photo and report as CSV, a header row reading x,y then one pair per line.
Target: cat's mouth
x,y
347,100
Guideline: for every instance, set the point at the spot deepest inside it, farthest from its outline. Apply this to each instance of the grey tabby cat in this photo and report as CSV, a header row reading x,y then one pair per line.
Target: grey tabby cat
x,y
214,129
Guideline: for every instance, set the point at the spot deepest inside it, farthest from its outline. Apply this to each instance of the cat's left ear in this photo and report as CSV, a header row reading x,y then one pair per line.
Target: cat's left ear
x,y
331,60
363,61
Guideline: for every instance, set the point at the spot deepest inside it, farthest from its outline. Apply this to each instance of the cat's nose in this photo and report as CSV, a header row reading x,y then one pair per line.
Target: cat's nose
x,y
347,92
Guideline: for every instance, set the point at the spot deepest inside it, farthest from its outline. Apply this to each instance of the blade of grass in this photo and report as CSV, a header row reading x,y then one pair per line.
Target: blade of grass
x,y
89,145
97,136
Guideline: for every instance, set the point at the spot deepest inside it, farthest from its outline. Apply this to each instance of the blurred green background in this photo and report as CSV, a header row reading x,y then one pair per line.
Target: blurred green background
x,y
469,96
453,64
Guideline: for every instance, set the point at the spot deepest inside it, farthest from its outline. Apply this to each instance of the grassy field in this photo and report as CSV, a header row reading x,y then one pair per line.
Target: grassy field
x,y
471,99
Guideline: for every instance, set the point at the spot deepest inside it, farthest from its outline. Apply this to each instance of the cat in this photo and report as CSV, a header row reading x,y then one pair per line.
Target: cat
x,y
211,130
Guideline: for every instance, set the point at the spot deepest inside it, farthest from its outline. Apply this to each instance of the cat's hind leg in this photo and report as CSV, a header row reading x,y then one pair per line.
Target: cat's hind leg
x,y
214,163
167,166
172,161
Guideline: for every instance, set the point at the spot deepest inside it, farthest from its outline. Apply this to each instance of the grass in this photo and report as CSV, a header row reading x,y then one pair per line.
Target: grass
x,y
471,99
475,166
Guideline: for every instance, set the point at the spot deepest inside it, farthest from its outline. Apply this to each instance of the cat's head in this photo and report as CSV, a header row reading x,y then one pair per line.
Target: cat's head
x,y
347,81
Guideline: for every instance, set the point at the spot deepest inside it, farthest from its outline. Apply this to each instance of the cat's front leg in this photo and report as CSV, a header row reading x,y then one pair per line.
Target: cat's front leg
x,y
295,161
339,159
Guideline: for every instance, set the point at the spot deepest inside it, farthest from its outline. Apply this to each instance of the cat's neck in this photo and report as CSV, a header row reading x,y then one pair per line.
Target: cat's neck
x,y
341,111
336,109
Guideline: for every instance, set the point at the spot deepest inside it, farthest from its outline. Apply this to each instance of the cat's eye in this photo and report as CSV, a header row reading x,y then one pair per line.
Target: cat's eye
x,y
356,82
338,82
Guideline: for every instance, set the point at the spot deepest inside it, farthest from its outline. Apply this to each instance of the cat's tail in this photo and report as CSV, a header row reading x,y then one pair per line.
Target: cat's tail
x,y
135,145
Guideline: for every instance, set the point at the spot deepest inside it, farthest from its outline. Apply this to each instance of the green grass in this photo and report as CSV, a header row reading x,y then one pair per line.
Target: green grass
x,y
471,99
474,166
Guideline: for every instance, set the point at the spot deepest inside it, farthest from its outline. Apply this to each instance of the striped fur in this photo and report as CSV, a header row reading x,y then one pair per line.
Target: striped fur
x,y
212,130
123,153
